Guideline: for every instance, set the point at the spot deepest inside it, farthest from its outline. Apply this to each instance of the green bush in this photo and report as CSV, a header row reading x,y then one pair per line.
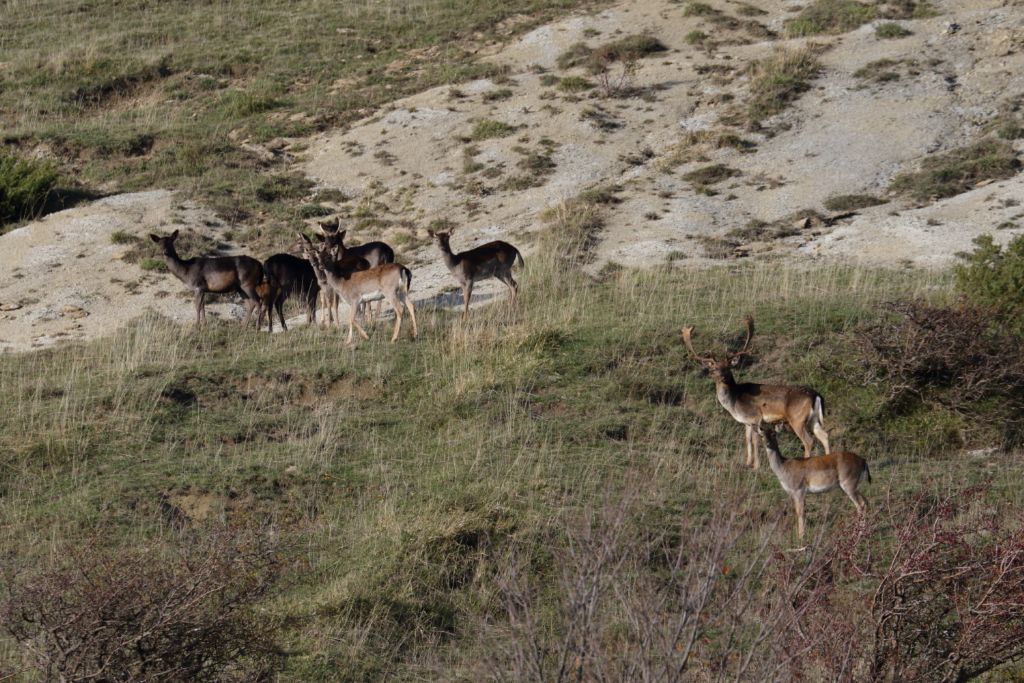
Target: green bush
x,y
779,80
958,170
24,186
890,30
485,129
993,277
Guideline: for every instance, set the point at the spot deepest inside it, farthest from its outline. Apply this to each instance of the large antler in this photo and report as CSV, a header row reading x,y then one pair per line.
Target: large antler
x,y
687,331
746,344
327,228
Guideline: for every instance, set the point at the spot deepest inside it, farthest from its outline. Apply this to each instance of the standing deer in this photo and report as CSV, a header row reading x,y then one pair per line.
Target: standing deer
x,y
393,280
822,473
494,259
750,404
328,296
216,275
375,253
292,276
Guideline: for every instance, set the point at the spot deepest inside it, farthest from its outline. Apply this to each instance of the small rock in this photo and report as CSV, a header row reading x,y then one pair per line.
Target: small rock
x,y
74,312
951,28
9,307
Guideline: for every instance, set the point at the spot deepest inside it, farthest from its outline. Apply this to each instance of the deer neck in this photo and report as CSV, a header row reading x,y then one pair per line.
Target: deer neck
x,y
775,460
178,267
450,259
726,390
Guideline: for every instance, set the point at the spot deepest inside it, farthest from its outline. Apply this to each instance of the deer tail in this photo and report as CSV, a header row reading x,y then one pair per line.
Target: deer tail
x,y
406,279
819,409
519,259
867,471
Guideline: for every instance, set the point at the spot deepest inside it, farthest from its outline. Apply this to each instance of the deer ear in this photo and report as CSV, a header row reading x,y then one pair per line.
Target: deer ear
x,y
153,237
431,233
174,235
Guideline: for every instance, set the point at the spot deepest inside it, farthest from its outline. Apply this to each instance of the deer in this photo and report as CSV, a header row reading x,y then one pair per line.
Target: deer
x,y
328,296
292,276
750,404
494,259
819,474
216,275
393,280
375,253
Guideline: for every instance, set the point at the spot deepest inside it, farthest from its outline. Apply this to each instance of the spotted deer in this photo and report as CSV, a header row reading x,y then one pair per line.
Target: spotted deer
x,y
819,474
393,280
750,403
215,275
494,259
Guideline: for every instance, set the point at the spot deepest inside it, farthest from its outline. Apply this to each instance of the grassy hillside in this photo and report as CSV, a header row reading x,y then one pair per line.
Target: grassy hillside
x,y
418,486
164,94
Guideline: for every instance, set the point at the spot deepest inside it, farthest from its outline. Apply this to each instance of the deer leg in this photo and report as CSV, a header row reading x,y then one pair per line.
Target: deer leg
x,y
853,494
798,503
279,305
467,293
200,308
513,287
748,441
353,308
819,431
412,314
805,438
395,304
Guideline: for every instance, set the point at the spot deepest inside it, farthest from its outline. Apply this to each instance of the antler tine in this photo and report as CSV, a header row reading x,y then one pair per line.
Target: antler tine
x,y
687,331
750,335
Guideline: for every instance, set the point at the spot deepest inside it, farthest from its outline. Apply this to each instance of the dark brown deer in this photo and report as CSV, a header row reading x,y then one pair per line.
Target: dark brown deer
x,y
494,259
801,476
751,404
393,280
375,253
293,276
214,275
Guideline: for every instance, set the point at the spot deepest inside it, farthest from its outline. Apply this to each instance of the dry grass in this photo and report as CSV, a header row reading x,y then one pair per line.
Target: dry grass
x,y
779,80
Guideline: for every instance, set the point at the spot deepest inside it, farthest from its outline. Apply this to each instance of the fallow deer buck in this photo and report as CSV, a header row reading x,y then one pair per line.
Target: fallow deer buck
x,y
819,474
216,275
750,404
328,297
375,253
494,259
393,280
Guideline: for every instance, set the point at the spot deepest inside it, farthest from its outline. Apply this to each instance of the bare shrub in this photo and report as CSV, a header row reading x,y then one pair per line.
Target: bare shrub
x,y
149,613
942,601
957,357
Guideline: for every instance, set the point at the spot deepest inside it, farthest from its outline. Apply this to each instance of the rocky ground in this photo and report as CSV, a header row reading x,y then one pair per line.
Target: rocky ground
x,y
541,140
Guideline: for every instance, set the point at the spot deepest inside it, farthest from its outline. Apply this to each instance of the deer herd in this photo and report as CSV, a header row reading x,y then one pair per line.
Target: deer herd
x,y
331,272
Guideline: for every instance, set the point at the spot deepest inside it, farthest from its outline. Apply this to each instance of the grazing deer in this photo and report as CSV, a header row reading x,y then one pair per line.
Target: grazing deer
x,y
375,253
822,473
494,259
292,276
216,275
750,404
393,280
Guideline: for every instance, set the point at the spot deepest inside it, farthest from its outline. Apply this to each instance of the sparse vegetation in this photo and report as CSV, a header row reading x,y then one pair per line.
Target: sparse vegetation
x,y
852,202
486,129
891,31
497,95
24,187
959,170
779,80
885,70
829,17
992,277
629,48
574,84
710,175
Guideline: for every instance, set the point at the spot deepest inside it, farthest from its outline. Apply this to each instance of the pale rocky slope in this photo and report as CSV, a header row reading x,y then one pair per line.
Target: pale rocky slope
x,y
406,167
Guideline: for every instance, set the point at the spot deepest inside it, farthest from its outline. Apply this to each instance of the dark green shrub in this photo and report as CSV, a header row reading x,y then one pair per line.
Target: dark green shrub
x,y
829,16
993,277
958,170
24,186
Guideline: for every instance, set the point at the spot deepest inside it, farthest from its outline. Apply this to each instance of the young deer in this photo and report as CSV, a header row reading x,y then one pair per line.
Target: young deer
x,y
799,477
328,297
494,259
216,275
750,404
393,280
292,276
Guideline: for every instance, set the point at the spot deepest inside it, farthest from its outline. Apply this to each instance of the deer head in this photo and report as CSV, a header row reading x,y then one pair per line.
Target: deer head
x,y
719,367
329,227
166,243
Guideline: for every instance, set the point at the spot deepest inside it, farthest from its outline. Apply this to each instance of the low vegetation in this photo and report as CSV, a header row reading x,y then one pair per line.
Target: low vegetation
x,y
852,202
779,80
25,185
710,175
992,277
829,17
595,59
891,31
486,129
959,170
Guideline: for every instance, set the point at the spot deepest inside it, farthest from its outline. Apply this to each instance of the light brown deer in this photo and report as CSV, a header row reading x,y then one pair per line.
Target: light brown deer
x,y
750,404
217,275
822,473
494,259
328,297
393,280
375,254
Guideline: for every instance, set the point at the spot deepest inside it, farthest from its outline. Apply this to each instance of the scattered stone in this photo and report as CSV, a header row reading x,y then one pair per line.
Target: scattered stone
x,y
9,307
74,312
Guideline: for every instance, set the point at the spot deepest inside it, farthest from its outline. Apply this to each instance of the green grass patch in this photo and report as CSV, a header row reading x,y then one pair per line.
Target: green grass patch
x,y
574,84
891,31
24,187
710,175
829,17
959,170
776,82
486,129
628,48
852,202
